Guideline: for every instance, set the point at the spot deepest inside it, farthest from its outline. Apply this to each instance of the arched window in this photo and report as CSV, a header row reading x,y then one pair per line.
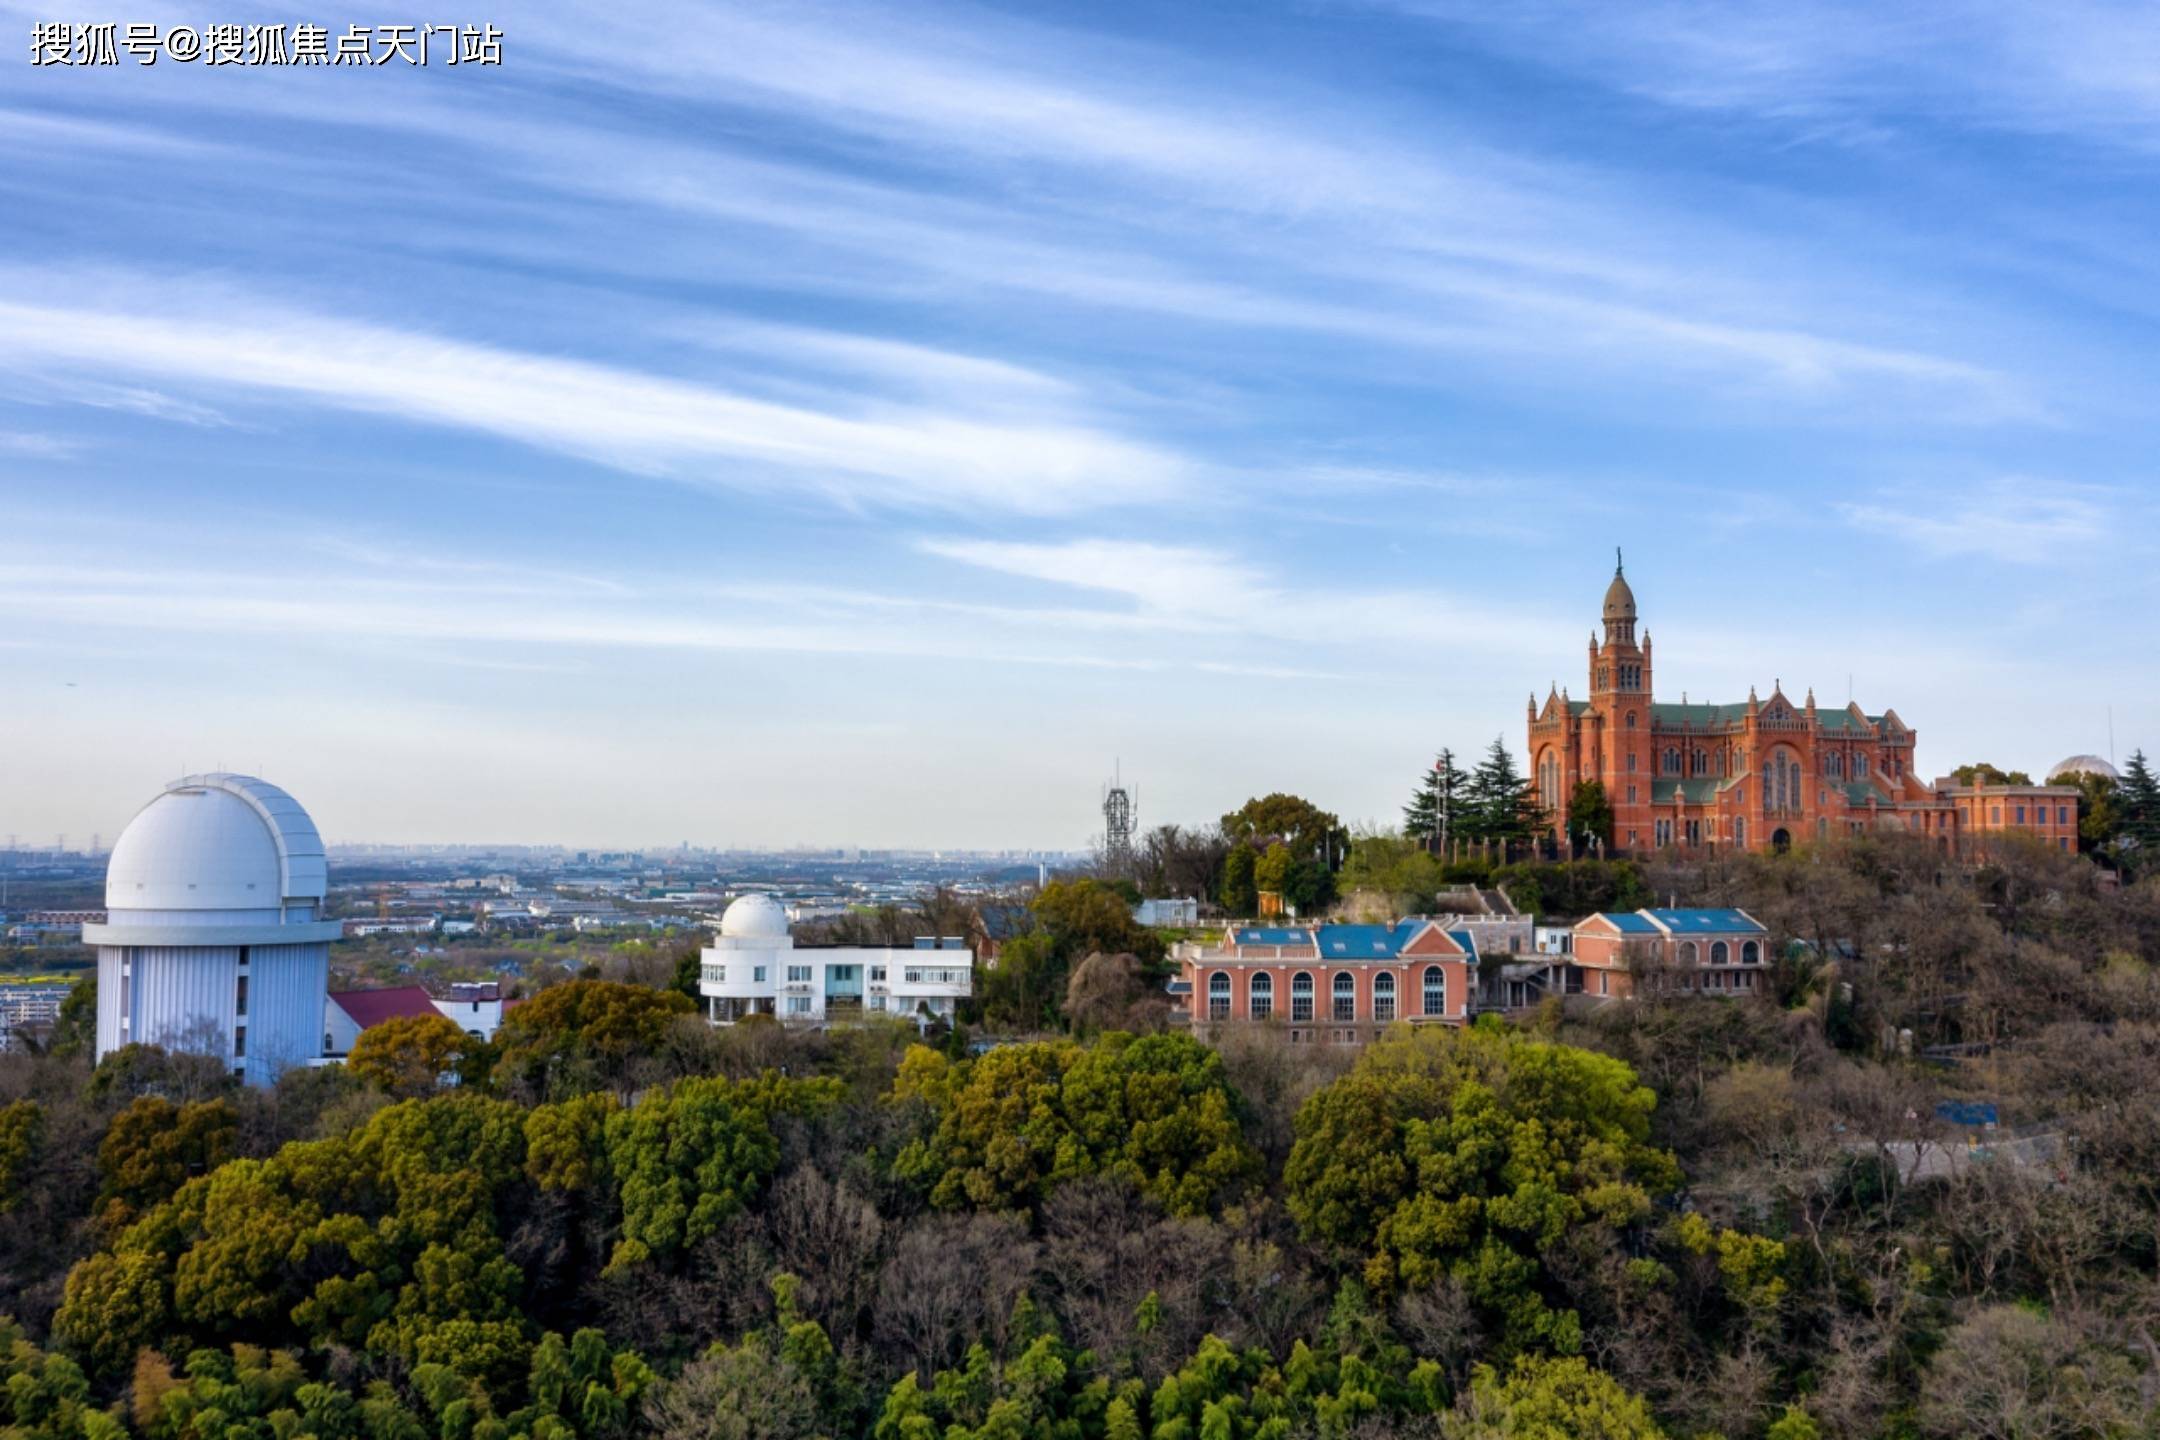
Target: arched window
x,y
1345,996
1631,719
1549,781
1435,991
1750,953
1859,765
1688,953
1301,999
1672,760
1218,996
1718,952
1261,1001
1383,997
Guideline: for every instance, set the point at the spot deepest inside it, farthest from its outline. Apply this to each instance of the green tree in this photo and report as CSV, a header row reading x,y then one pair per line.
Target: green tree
x,y
22,1128
1551,1399
2099,812
1408,876
1007,1128
2138,803
1240,893
1430,819
689,1157
1981,772
75,1030
1087,916
1590,814
153,1147
1022,991
1498,804
1470,1154
1310,832
580,1035
410,1055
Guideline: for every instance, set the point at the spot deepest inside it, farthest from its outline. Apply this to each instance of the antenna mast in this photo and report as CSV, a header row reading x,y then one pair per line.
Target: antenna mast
x,y
1117,814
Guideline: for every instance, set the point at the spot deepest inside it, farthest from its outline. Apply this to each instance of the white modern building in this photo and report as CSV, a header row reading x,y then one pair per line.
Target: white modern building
x,y
753,968
213,939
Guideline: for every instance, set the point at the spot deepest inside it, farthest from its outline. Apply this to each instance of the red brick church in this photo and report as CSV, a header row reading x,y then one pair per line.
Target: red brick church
x,y
1759,774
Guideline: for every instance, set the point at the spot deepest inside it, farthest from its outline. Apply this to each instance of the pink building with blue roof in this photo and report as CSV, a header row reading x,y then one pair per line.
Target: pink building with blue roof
x,y
1330,984
1686,951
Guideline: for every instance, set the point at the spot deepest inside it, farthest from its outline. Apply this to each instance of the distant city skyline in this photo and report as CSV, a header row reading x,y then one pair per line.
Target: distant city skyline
x,y
857,425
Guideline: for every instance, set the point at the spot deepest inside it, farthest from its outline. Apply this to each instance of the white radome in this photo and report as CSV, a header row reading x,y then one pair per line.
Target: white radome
x,y
754,917
216,842
2083,765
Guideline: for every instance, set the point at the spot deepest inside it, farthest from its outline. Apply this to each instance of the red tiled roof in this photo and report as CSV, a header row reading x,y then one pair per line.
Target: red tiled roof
x,y
372,1007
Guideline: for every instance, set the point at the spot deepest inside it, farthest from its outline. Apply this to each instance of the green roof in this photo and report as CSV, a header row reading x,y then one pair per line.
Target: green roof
x,y
1700,790
1578,707
1700,716
1859,792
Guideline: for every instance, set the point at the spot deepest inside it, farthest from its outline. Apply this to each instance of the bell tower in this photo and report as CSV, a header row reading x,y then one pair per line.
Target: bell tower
x,y
1620,697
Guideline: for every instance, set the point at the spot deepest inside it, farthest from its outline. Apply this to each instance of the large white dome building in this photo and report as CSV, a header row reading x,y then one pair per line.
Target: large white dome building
x,y
213,939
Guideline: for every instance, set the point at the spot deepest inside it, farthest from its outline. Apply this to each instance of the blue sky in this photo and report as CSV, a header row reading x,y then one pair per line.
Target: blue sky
x,y
825,424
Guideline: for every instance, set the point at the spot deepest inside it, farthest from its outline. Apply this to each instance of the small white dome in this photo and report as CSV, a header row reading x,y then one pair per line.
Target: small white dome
x,y
216,842
2083,765
754,917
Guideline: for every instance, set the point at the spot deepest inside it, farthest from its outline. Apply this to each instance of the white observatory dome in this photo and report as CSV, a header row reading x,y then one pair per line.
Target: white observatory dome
x,y
217,842
2083,765
754,917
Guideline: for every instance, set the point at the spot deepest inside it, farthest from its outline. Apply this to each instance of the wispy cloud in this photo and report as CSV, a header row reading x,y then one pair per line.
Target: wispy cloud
x,y
2024,521
1847,69
875,455
33,446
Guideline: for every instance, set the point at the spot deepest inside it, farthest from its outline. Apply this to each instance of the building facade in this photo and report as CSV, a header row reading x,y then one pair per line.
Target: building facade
x,y
1679,951
213,941
1328,984
753,968
2046,813
1758,774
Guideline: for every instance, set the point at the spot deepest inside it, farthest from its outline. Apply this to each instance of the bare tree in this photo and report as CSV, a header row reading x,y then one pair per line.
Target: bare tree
x,y
828,1237
951,1279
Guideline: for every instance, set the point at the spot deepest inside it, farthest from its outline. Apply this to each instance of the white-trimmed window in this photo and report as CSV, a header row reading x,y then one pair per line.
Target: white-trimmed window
x,y
1383,997
1435,995
1260,997
1750,953
1301,999
1218,996
1345,995
1719,953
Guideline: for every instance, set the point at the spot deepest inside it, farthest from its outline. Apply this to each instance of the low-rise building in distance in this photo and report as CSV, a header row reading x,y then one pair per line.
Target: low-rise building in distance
x,y
753,968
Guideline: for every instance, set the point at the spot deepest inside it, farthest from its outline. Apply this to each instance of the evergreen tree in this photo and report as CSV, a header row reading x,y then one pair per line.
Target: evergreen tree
x,y
1240,893
1498,804
1434,815
2137,803
1590,814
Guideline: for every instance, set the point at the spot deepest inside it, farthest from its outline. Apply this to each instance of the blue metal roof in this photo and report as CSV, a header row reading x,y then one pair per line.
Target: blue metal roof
x,y
1359,942
1408,930
1274,935
1705,921
1629,923
1465,939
